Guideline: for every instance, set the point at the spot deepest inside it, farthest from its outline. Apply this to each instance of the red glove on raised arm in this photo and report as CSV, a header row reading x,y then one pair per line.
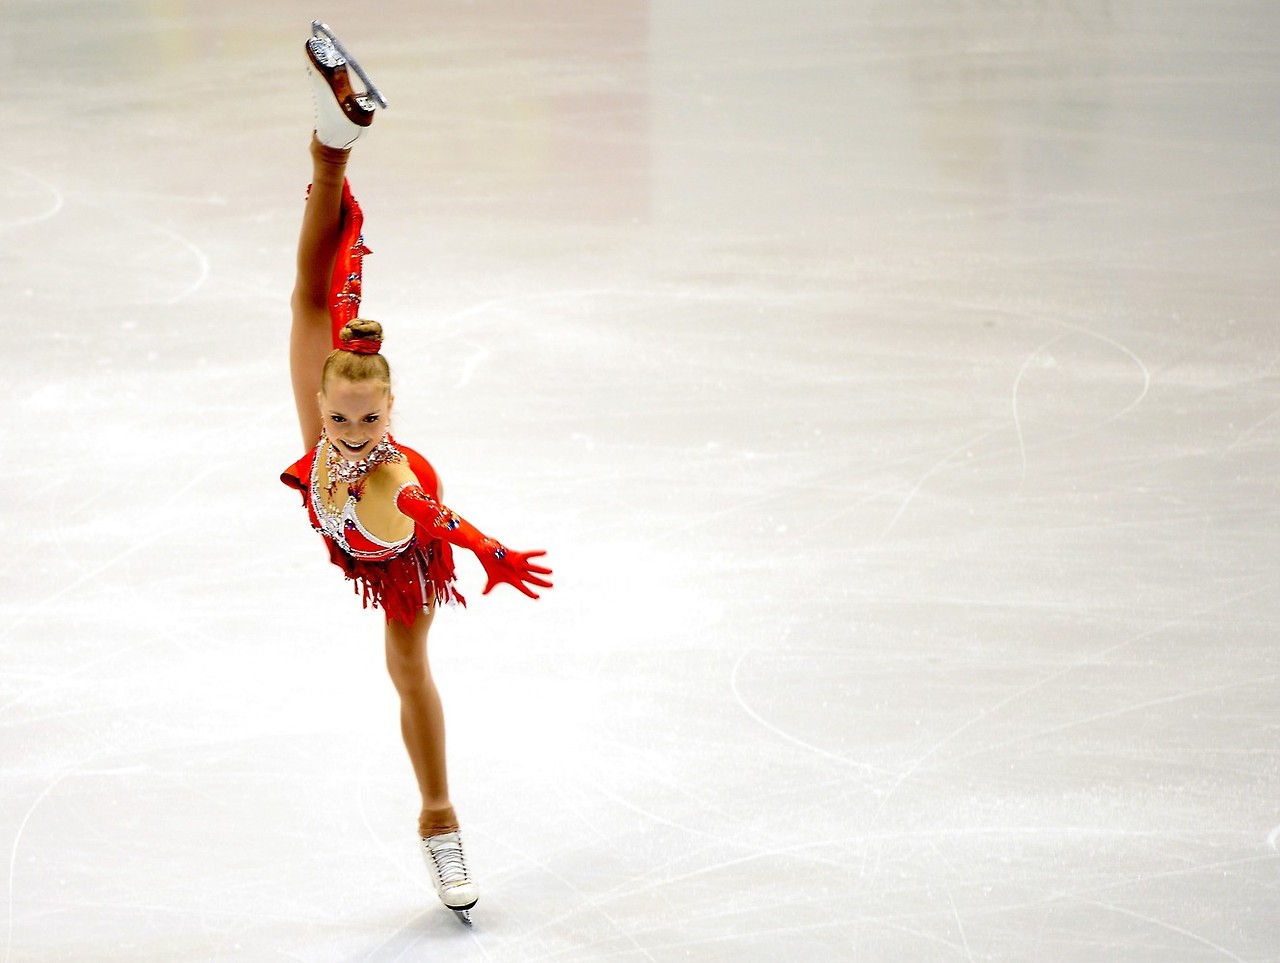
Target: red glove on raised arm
x,y
500,564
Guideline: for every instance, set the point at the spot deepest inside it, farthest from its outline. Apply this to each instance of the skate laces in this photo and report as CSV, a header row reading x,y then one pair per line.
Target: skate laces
x,y
451,865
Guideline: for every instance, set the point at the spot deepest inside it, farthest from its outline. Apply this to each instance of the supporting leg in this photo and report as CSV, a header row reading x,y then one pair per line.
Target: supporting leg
x,y
421,721
422,724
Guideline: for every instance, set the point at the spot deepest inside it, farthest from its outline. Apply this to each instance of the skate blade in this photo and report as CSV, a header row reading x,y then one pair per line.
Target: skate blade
x,y
464,916
319,29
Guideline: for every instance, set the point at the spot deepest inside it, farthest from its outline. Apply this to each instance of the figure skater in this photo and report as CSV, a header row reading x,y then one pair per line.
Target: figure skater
x,y
377,502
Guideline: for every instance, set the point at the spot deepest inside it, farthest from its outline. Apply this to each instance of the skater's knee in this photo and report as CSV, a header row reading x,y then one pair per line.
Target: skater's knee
x,y
409,671
310,305
406,674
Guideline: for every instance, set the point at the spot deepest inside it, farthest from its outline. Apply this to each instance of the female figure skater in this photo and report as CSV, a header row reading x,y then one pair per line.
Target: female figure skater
x,y
375,501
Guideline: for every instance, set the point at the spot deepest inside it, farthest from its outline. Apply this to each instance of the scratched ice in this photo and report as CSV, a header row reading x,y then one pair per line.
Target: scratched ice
x,y
894,386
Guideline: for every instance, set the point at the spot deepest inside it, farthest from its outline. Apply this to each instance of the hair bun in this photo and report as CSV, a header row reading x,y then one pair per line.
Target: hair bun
x,y
361,329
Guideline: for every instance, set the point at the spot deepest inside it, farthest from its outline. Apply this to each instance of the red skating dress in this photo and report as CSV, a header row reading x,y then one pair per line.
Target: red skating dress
x,y
404,577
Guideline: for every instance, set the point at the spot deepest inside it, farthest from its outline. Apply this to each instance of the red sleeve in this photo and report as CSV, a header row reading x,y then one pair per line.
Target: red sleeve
x,y
438,521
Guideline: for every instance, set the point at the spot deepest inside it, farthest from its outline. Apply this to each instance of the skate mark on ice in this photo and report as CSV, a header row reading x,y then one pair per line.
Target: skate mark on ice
x,y
1273,838
13,855
735,933
63,676
182,241
56,204
1166,925
692,801
472,312
1017,420
1021,447
795,740
387,852
1109,714
933,470
90,574
1242,436
416,940
1033,687
1021,315
481,354
777,493
1195,869
71,587
955,913
614,840
202,261
572,806
1097,336
899,921
655,817
895,921
1123,349
587,902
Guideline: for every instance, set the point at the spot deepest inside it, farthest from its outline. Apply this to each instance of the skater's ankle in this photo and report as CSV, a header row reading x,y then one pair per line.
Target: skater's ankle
x,y
435,820
329,159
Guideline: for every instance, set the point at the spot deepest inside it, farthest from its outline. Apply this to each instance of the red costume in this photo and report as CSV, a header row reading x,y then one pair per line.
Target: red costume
x,y
402,577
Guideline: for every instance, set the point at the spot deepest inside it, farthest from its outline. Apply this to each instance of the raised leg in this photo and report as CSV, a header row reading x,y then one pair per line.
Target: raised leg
x,y
310,339
341,116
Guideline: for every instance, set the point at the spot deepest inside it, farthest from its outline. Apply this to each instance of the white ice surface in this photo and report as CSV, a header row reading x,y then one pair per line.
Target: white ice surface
x,y
893,385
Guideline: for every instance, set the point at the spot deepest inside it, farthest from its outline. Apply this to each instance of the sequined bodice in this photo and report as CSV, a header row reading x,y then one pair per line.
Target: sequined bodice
x,y
344,527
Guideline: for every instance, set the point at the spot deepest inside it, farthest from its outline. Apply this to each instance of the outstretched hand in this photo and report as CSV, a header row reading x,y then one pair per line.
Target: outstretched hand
x,y
514,568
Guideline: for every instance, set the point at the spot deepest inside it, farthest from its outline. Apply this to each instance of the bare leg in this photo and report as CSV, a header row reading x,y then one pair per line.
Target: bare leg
x,y
310,339
421,721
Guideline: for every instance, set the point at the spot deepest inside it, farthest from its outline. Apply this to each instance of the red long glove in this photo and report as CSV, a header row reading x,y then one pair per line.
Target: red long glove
x,y
500,564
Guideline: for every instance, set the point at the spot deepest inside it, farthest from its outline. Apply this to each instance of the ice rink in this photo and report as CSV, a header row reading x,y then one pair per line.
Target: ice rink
x,y
895,388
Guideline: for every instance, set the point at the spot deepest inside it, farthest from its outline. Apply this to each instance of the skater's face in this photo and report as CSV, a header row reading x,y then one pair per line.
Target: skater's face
x,y
355,414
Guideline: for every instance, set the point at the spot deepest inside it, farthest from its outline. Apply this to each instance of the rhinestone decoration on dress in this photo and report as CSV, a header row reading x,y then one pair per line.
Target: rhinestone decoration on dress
x,y
343,472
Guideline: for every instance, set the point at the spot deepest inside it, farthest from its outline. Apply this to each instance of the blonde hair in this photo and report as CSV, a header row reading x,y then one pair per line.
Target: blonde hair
x,y
353,366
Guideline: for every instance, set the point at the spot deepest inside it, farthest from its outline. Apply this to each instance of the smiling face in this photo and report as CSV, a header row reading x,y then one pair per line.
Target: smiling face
x,y
355,415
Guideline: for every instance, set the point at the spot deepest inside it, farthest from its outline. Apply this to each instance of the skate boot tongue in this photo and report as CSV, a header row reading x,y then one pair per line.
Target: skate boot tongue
x,y
447,864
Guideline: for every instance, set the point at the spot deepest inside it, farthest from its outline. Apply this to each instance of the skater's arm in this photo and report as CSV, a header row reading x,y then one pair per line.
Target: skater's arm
x,y
501,564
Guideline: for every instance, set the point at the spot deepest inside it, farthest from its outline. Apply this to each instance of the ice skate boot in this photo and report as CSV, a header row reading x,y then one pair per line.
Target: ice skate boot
x,y
342,115
448,868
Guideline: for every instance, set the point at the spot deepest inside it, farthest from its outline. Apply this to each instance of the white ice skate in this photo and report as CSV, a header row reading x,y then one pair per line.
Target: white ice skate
x,y
342,114
448,867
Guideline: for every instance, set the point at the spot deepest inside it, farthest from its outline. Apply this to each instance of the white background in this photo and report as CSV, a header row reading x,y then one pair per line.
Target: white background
x,y
894,388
